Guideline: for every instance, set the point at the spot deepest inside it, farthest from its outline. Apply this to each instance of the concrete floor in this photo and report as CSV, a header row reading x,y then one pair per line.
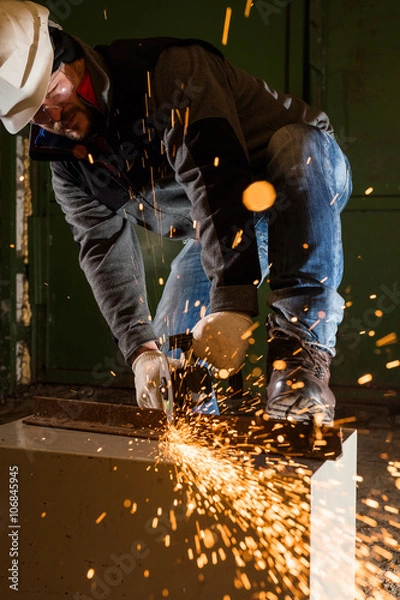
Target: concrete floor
x,y
378,503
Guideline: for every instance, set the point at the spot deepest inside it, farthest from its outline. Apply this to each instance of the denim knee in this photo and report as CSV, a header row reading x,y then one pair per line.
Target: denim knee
x,y
295,147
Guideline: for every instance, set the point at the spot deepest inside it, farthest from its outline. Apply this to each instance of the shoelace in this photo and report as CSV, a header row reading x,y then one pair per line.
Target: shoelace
x,y
297,354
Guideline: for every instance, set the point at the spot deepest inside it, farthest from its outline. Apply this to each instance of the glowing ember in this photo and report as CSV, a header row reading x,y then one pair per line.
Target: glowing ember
x,y
259,196
393,364
268,511
279,365
223,373
335,197
238,238
364,379
100,518
390,338
227,23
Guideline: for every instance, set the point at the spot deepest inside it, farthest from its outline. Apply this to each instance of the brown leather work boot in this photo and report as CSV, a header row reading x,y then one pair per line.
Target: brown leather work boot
x,y
298,377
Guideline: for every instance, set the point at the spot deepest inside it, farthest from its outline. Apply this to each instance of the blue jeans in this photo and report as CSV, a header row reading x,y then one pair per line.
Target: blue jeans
x,y
299,243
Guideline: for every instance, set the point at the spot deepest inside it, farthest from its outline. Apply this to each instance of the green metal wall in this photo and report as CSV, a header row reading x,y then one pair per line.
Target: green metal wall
x,y
355,53
7,264
339,54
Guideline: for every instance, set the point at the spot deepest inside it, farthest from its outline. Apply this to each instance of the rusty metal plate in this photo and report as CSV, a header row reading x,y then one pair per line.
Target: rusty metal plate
x,y
253,434
100,417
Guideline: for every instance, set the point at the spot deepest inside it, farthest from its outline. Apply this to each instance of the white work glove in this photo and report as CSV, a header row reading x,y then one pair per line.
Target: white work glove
x,y
222,338
151,371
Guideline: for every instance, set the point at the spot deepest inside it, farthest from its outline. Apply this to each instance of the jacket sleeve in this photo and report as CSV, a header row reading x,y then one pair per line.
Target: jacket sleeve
x,y
196,117
110,256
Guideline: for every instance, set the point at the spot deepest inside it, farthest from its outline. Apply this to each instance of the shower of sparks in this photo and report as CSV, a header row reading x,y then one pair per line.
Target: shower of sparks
x,y
260,518
227,23
377,546
261,515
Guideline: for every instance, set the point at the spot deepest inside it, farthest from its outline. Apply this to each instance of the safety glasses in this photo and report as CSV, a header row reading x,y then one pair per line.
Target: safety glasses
x,y
59,90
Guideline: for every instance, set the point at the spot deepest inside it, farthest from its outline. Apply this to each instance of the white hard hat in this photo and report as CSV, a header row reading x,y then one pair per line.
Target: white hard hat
x,y
26,59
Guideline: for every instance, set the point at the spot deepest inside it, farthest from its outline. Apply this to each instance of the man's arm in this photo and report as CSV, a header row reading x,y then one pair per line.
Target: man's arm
x,y
197,118
111,258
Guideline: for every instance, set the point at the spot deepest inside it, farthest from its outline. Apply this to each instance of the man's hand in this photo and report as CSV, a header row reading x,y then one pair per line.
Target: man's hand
x,y
222,339
151,371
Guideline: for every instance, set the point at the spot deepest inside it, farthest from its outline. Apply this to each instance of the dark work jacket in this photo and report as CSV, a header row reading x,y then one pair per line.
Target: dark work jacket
x,y
185,133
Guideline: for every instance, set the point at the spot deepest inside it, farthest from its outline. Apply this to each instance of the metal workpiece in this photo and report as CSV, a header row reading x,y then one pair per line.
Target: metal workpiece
x,y
257,433
99,516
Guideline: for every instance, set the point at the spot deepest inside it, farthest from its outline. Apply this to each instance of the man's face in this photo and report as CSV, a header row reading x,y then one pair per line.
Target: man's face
x,y
63,111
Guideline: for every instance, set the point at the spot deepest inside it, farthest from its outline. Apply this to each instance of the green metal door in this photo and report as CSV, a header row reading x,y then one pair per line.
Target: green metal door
x,y
355,53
